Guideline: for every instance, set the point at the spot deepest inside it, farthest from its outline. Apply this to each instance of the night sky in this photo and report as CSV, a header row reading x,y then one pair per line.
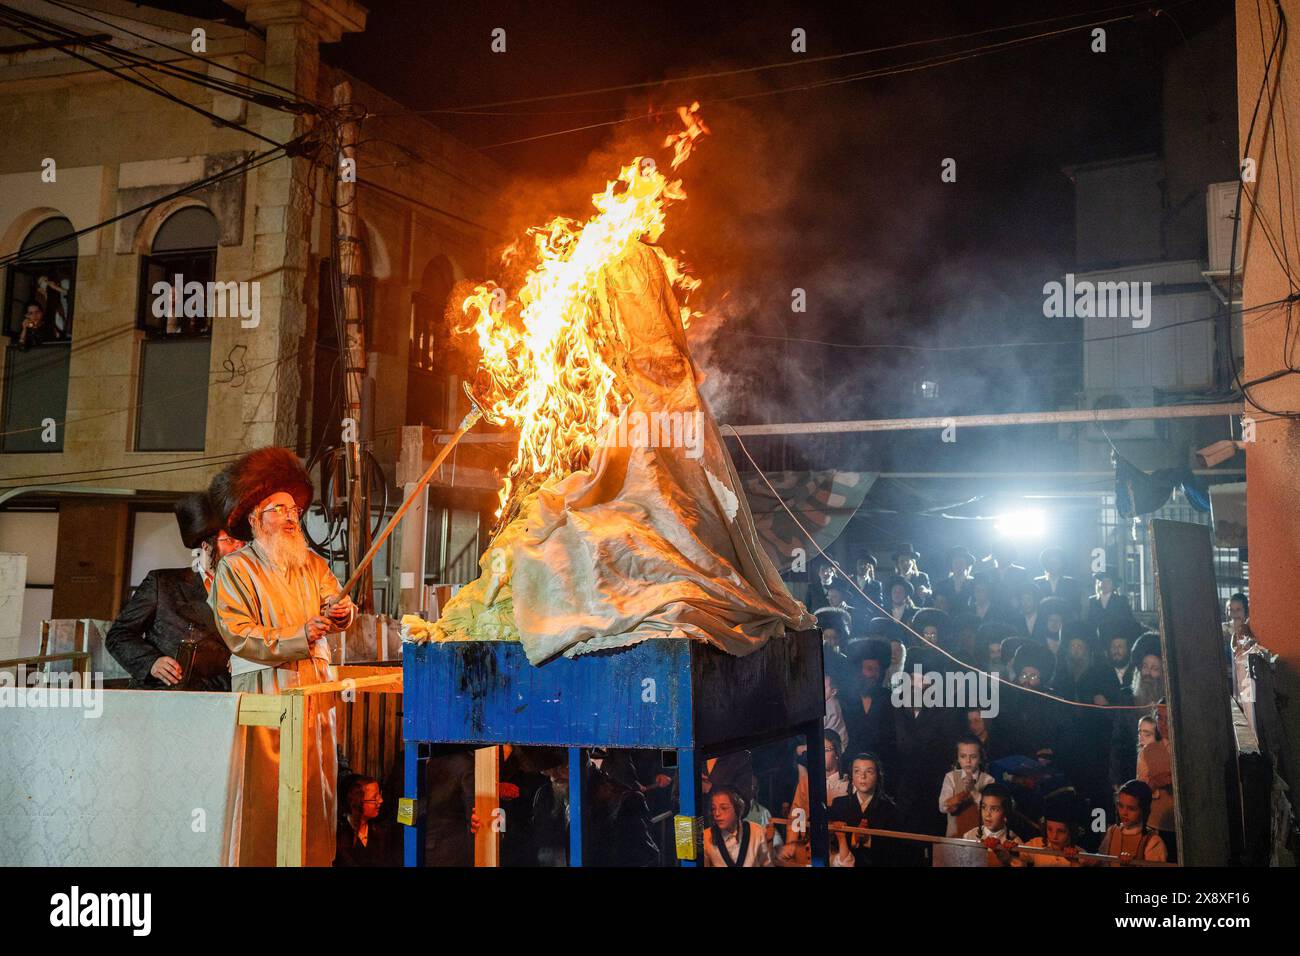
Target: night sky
x,y
835,189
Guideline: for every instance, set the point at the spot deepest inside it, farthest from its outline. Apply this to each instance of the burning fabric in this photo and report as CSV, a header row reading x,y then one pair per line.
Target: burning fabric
x,y
622,515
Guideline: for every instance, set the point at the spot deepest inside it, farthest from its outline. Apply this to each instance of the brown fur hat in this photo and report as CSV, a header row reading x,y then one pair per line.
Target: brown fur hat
x,y
241,486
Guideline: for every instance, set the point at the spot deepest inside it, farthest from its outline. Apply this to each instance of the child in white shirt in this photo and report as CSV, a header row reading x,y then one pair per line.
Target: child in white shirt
x,y
959,796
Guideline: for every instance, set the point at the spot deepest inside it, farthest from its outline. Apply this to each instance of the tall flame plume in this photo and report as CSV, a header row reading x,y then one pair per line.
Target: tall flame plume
x,y
548,359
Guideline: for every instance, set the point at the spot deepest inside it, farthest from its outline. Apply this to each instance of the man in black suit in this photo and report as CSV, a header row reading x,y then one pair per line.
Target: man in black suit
x,y
1053,582
171,605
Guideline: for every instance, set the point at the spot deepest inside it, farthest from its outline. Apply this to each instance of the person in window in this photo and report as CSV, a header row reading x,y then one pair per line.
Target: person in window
x,y
33,330
51,298
171,605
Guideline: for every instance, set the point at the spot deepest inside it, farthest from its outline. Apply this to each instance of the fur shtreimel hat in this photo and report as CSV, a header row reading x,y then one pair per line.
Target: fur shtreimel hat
x,y
1036,656
254,478
198,518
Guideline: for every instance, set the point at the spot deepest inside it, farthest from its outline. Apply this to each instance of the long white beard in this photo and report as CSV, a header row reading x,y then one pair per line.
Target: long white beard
x,y
287,552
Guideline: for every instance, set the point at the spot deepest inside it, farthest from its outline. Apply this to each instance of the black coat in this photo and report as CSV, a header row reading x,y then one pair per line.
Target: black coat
x,y
1068,589
169,606
882,814
1117,611
924,747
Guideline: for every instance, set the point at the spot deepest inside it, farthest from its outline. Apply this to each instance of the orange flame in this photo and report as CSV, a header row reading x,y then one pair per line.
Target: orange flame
x,y
547,356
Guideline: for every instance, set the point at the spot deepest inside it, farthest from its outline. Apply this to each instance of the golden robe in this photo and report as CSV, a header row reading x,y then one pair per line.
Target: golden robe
x,y
261,613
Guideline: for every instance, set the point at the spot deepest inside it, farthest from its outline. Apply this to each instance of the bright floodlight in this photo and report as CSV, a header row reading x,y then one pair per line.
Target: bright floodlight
x,y
1028,523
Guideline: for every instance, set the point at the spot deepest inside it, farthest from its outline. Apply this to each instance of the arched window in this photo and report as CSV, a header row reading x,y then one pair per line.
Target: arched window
x,y
41,286
175,276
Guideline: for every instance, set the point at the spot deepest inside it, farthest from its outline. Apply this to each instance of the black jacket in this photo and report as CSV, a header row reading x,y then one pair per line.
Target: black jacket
x,y
882,814
169,606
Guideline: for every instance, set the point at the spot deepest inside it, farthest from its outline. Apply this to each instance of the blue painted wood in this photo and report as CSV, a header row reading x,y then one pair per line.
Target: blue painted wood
x,y
487,692
413,836
577,801
664,694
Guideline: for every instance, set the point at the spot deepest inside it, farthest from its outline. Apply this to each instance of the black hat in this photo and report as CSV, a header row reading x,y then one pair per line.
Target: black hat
x,y
869,649
254,478
1102,575
1035,655
1148,645
881,627
1052,551
897,581
966,622
1063,807
1054,605
928,616
992,631
198,518
835,617
920,654
960,552
869,558
1079,631
906,549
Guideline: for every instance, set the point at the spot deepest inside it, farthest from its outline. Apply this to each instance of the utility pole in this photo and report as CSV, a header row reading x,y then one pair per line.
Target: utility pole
x,y
354,348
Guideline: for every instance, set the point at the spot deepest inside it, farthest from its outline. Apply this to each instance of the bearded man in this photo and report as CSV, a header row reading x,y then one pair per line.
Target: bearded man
x,y
270,602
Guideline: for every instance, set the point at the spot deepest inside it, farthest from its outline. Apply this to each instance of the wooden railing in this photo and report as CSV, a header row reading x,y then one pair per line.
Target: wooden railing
x,y
288,712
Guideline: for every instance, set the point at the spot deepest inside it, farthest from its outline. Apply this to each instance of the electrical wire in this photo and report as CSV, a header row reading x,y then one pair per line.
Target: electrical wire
x,y
1007,345
908,627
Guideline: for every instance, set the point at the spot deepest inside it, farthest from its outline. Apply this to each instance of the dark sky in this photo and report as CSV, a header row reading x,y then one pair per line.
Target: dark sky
x,y
835,189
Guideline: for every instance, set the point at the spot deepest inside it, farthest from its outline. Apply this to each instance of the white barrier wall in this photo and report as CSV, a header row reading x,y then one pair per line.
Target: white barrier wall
x,y
147,781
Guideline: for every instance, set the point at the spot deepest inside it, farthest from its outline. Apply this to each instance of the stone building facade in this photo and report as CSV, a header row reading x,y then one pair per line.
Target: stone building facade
x,y
111,412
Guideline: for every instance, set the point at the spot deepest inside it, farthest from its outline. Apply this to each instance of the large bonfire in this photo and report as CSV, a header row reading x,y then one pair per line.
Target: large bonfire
x,y
603,541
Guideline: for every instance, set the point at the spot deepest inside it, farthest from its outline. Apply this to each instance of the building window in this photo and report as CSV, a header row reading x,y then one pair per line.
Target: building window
x,y
36,399
184,251
172,414
40,286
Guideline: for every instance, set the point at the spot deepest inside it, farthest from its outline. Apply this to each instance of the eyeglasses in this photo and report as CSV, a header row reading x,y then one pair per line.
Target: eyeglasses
x,y
283,511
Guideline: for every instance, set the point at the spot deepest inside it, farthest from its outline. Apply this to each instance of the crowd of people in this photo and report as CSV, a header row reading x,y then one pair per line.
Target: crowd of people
x,y
1078,753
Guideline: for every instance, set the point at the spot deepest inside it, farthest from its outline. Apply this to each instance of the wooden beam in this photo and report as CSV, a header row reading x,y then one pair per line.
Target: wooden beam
x,y
487,800
291,821
378,683
260,710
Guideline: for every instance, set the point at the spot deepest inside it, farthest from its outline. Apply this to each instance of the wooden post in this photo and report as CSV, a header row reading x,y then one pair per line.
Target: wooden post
x,y
354,348
487,799
291,822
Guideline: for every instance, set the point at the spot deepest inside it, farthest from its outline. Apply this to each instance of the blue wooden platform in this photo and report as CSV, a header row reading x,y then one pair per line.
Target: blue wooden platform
x,y
663,694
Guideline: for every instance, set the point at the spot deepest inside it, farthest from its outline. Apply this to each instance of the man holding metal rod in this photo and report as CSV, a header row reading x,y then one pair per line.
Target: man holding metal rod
x,y
274,603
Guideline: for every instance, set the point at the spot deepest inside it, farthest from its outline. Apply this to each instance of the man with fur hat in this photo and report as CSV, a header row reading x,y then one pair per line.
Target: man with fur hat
x,y
270,602
171,606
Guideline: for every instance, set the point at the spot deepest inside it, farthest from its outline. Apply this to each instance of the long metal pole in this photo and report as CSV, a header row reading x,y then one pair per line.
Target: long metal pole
x,y
360,570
